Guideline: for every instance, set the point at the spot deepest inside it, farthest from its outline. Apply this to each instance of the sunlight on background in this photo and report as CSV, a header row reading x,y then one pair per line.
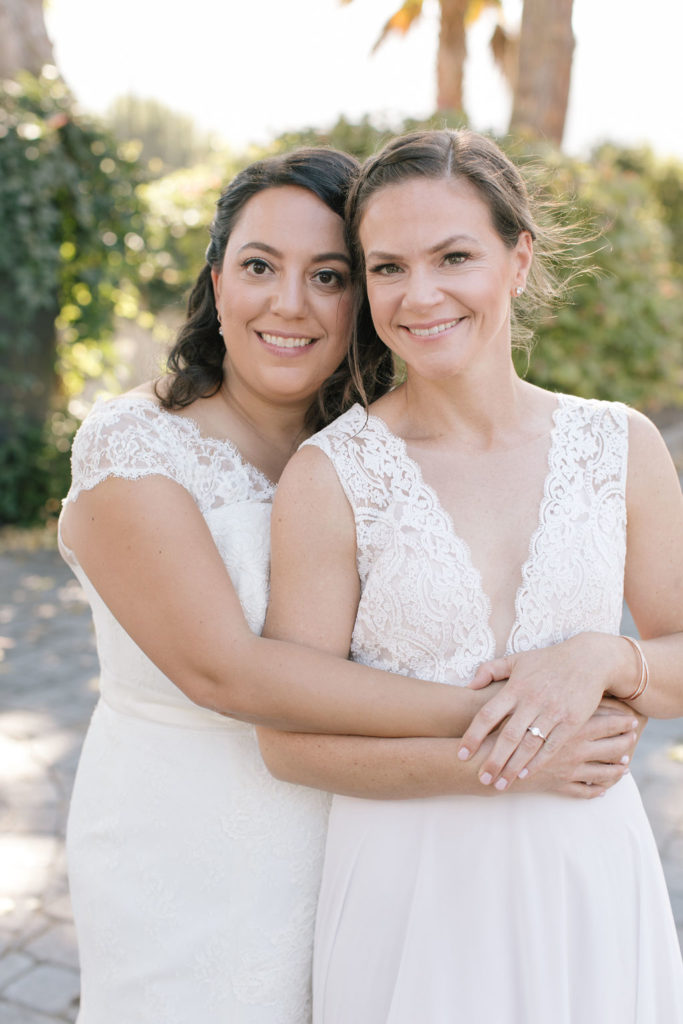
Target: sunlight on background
x,y
250,71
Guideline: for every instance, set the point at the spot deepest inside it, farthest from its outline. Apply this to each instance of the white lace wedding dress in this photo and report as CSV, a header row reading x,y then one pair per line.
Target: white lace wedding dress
x,y
193,873
518,909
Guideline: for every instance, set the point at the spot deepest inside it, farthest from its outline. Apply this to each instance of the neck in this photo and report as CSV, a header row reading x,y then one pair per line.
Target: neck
x,y
276,428
478,411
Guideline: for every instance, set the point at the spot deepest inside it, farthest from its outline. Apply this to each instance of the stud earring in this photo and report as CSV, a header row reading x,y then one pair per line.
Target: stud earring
x,y
519,290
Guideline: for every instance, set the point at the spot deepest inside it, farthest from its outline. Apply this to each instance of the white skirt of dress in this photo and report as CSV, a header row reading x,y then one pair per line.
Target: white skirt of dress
x,y
520,909
194,876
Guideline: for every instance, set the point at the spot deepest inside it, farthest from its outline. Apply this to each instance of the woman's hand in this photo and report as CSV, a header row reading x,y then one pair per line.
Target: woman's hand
x,y
595,759
553,691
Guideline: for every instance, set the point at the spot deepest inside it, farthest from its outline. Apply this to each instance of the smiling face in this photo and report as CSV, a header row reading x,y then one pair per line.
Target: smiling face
x,y
439,276
283,296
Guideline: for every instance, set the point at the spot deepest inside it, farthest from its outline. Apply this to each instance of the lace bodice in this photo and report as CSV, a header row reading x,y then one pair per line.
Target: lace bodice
x,y
132,437
423,611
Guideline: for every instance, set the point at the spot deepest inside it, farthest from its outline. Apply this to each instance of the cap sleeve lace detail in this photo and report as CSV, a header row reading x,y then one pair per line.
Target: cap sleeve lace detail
x,y
132,437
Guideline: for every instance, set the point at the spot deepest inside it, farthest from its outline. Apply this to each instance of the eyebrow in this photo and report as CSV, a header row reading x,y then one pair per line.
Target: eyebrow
x,y
378,254
322,257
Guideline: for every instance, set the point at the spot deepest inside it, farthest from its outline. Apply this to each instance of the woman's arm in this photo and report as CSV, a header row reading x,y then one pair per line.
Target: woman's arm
x,y
388,769
314,600
557,687
149,554
653,582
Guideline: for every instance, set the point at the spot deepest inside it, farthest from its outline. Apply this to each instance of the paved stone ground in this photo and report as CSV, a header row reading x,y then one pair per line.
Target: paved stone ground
x,y
48,676
48,681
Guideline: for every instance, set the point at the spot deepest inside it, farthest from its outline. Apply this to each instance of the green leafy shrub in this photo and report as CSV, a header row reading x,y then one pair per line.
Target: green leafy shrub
x,y
35,469
618,335
179,209
664,179
361,139
164,140
73,231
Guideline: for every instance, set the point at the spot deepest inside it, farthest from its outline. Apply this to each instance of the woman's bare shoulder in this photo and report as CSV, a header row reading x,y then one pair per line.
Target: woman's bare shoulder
x,y
648,452
151,389
308,477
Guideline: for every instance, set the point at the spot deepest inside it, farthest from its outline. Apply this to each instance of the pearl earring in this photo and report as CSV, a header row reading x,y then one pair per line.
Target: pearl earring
x,y
519,290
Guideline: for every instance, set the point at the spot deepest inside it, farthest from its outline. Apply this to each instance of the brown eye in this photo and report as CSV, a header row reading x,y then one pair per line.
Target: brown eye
x,y
329,277
256,266
454,258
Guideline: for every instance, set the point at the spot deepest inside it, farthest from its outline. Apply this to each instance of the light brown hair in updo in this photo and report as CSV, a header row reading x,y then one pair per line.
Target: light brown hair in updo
x,y
445,154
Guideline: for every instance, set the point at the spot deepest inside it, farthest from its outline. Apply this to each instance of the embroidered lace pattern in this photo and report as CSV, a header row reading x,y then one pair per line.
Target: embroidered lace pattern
x,y
423,610
133,437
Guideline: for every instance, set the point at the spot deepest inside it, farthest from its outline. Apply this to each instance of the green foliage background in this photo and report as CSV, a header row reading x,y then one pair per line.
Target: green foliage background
x,y
164,139
88,234
72,226
618,336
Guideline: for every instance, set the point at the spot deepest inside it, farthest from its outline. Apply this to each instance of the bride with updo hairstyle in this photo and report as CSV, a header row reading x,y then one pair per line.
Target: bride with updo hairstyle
x,y
472,528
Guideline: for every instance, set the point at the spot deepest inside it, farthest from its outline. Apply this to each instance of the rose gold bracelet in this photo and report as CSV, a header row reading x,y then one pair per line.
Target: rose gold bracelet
x,y
644,670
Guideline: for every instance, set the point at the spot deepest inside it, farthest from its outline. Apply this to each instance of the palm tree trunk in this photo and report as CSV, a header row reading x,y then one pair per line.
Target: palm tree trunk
x,y
450,61
545,62
24,43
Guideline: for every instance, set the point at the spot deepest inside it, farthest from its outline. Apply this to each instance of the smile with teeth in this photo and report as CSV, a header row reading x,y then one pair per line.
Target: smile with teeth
x,y
430,332
282,342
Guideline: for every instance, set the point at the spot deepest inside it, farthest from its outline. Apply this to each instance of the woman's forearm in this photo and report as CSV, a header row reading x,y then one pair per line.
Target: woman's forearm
x,y
360,766
291,687
389,769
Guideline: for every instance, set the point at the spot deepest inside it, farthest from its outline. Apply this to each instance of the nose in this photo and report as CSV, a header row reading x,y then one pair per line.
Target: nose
x,y
423,290
289,298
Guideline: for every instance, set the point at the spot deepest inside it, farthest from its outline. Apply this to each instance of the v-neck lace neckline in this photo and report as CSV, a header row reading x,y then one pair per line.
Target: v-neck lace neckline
x,y
422,609
461,545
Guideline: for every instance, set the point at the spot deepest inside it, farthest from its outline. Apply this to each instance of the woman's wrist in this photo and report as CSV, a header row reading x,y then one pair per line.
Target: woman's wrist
x,y
631,673
643,668
465,705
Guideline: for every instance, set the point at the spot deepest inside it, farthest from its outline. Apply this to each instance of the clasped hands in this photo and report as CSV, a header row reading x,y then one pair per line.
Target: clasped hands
x,y
552,696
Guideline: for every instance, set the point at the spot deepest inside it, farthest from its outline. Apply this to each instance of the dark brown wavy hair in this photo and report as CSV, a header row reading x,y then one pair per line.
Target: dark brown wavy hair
x,y
195,363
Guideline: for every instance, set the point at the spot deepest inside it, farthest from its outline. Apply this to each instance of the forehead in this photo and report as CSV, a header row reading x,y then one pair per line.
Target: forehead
x,y
420,208
285,217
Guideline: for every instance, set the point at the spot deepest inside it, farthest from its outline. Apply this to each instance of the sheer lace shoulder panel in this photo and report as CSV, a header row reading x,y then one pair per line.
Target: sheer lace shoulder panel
x,y
365,457
123,437
132,437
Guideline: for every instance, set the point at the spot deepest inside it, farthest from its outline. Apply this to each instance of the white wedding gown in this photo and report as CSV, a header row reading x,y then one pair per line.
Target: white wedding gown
x,y
193,873
516,909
